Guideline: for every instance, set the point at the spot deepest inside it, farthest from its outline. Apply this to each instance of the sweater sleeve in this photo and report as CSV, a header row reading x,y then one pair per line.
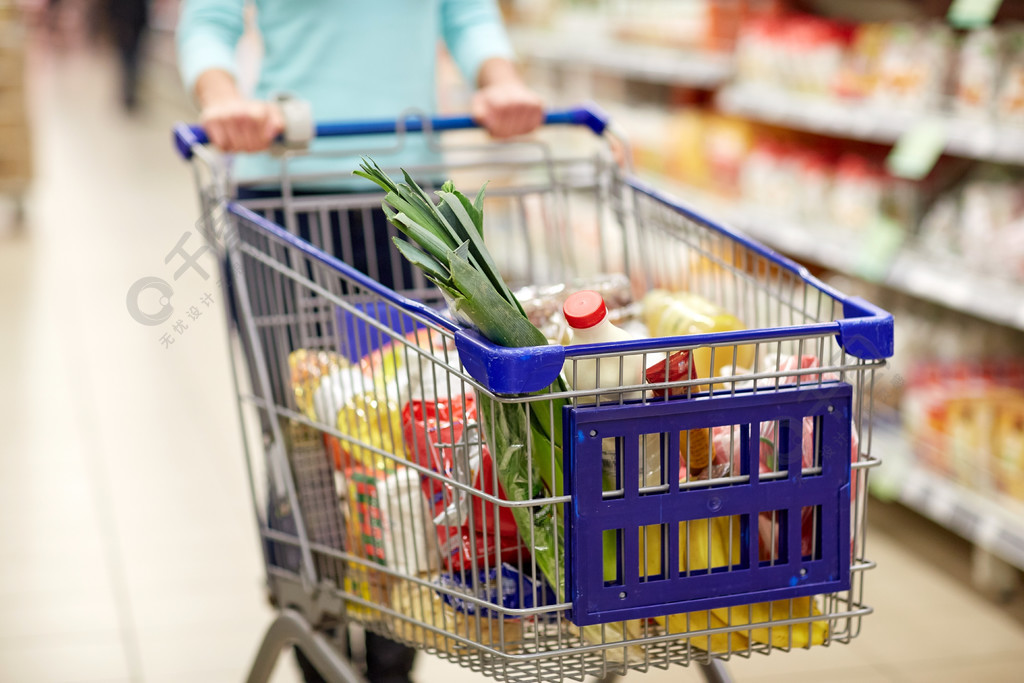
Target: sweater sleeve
x,y
474,32
208,31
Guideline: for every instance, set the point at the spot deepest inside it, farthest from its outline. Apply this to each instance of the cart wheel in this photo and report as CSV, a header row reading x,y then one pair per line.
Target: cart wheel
x,y
715,672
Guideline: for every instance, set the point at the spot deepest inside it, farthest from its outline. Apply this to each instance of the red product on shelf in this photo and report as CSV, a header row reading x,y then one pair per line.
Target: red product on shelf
x,y
966,423
726,17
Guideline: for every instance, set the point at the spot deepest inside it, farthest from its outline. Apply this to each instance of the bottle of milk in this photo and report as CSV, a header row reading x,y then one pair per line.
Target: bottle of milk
x,y
587,316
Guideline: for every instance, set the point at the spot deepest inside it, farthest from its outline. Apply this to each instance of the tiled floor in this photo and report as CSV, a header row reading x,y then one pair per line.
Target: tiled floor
x,y
128,551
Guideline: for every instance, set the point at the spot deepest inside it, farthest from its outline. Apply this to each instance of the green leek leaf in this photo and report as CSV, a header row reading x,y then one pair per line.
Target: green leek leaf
x,y
424,261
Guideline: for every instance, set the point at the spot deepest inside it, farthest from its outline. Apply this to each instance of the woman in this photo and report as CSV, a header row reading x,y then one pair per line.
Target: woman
x,y
349,60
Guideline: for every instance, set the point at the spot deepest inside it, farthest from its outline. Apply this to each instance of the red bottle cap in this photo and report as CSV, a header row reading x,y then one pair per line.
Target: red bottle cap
x,y
584,309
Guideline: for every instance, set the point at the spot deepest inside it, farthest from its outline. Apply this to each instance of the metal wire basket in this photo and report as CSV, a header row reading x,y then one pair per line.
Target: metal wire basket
x,y
681,518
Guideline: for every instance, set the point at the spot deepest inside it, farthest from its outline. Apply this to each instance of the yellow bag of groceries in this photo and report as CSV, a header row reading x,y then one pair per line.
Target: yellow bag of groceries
x,y
694,545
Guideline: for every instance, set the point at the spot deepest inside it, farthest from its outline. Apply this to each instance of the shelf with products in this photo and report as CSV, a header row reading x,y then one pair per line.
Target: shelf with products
x,y
872,122
872,81
911,271
818,190
879,81
931,239
579,49
991,521
990,524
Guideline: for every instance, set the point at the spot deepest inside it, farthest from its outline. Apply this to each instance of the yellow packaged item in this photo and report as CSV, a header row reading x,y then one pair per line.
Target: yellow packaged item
x,y
364,407
672,314
694,546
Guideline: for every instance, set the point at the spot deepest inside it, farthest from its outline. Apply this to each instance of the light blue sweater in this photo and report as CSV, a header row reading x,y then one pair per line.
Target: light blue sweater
x,y
350,59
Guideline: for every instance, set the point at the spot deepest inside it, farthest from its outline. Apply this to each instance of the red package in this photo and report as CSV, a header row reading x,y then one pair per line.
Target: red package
x,y
677,367
434,437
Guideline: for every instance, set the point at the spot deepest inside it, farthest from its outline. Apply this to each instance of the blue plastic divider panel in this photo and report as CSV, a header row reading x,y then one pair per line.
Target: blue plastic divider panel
x,y
593,518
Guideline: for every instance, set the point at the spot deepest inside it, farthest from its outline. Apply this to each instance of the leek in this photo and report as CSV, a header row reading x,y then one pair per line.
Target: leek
x,y
446,243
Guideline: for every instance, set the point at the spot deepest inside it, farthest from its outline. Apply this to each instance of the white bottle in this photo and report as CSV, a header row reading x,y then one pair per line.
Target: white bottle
x,y
587,316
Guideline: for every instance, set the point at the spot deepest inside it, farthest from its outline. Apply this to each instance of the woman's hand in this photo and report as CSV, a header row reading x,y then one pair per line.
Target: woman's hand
x,y
503,104
242,125
232,122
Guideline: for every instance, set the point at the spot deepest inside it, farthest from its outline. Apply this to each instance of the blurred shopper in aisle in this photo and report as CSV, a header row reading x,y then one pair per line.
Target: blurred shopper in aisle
x,y
349,61
129,20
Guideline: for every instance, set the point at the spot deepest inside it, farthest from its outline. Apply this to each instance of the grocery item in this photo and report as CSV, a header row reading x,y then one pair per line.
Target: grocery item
x,y
726,450
987,209
364,528
424,604
966,422
409,540
1010,97
308,367
365,525
978,77
673,314
856,199
332,392
504,585
798,52
1008,448
587,317
694,451
543,303
443,436
714,543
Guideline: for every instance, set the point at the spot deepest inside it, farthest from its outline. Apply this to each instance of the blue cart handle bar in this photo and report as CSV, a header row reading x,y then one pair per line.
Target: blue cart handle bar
x,y
187,137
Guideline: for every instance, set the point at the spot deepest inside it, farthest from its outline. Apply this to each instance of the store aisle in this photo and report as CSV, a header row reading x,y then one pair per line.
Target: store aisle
x,y
129,549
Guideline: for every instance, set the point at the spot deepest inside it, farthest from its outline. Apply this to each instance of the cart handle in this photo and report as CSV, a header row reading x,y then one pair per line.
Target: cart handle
x,y
187,137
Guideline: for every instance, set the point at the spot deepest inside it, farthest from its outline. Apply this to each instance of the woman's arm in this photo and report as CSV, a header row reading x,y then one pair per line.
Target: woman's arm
x,y
476,38
208,32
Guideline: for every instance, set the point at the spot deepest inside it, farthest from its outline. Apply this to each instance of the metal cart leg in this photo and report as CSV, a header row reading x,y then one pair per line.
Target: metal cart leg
x,y
715,672
290,628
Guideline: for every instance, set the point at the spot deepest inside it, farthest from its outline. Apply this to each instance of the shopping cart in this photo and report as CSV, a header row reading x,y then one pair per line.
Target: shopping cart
x,y
698,516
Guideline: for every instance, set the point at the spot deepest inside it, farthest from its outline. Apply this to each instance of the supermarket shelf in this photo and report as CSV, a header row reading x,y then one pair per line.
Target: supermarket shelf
x,y
985,297
578,49
990,522
871,122
923,276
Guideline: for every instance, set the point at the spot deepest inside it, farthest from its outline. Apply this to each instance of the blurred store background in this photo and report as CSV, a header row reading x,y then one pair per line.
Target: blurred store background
x,y
878,142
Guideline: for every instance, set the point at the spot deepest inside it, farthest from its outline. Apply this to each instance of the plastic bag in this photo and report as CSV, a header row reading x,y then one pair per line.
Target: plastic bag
x,y
442,435
504,586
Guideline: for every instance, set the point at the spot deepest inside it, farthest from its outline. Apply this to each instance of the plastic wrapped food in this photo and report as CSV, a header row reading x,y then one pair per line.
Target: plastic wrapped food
x,y
443,436
672,314
308,368
332,392
543,303
504,586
